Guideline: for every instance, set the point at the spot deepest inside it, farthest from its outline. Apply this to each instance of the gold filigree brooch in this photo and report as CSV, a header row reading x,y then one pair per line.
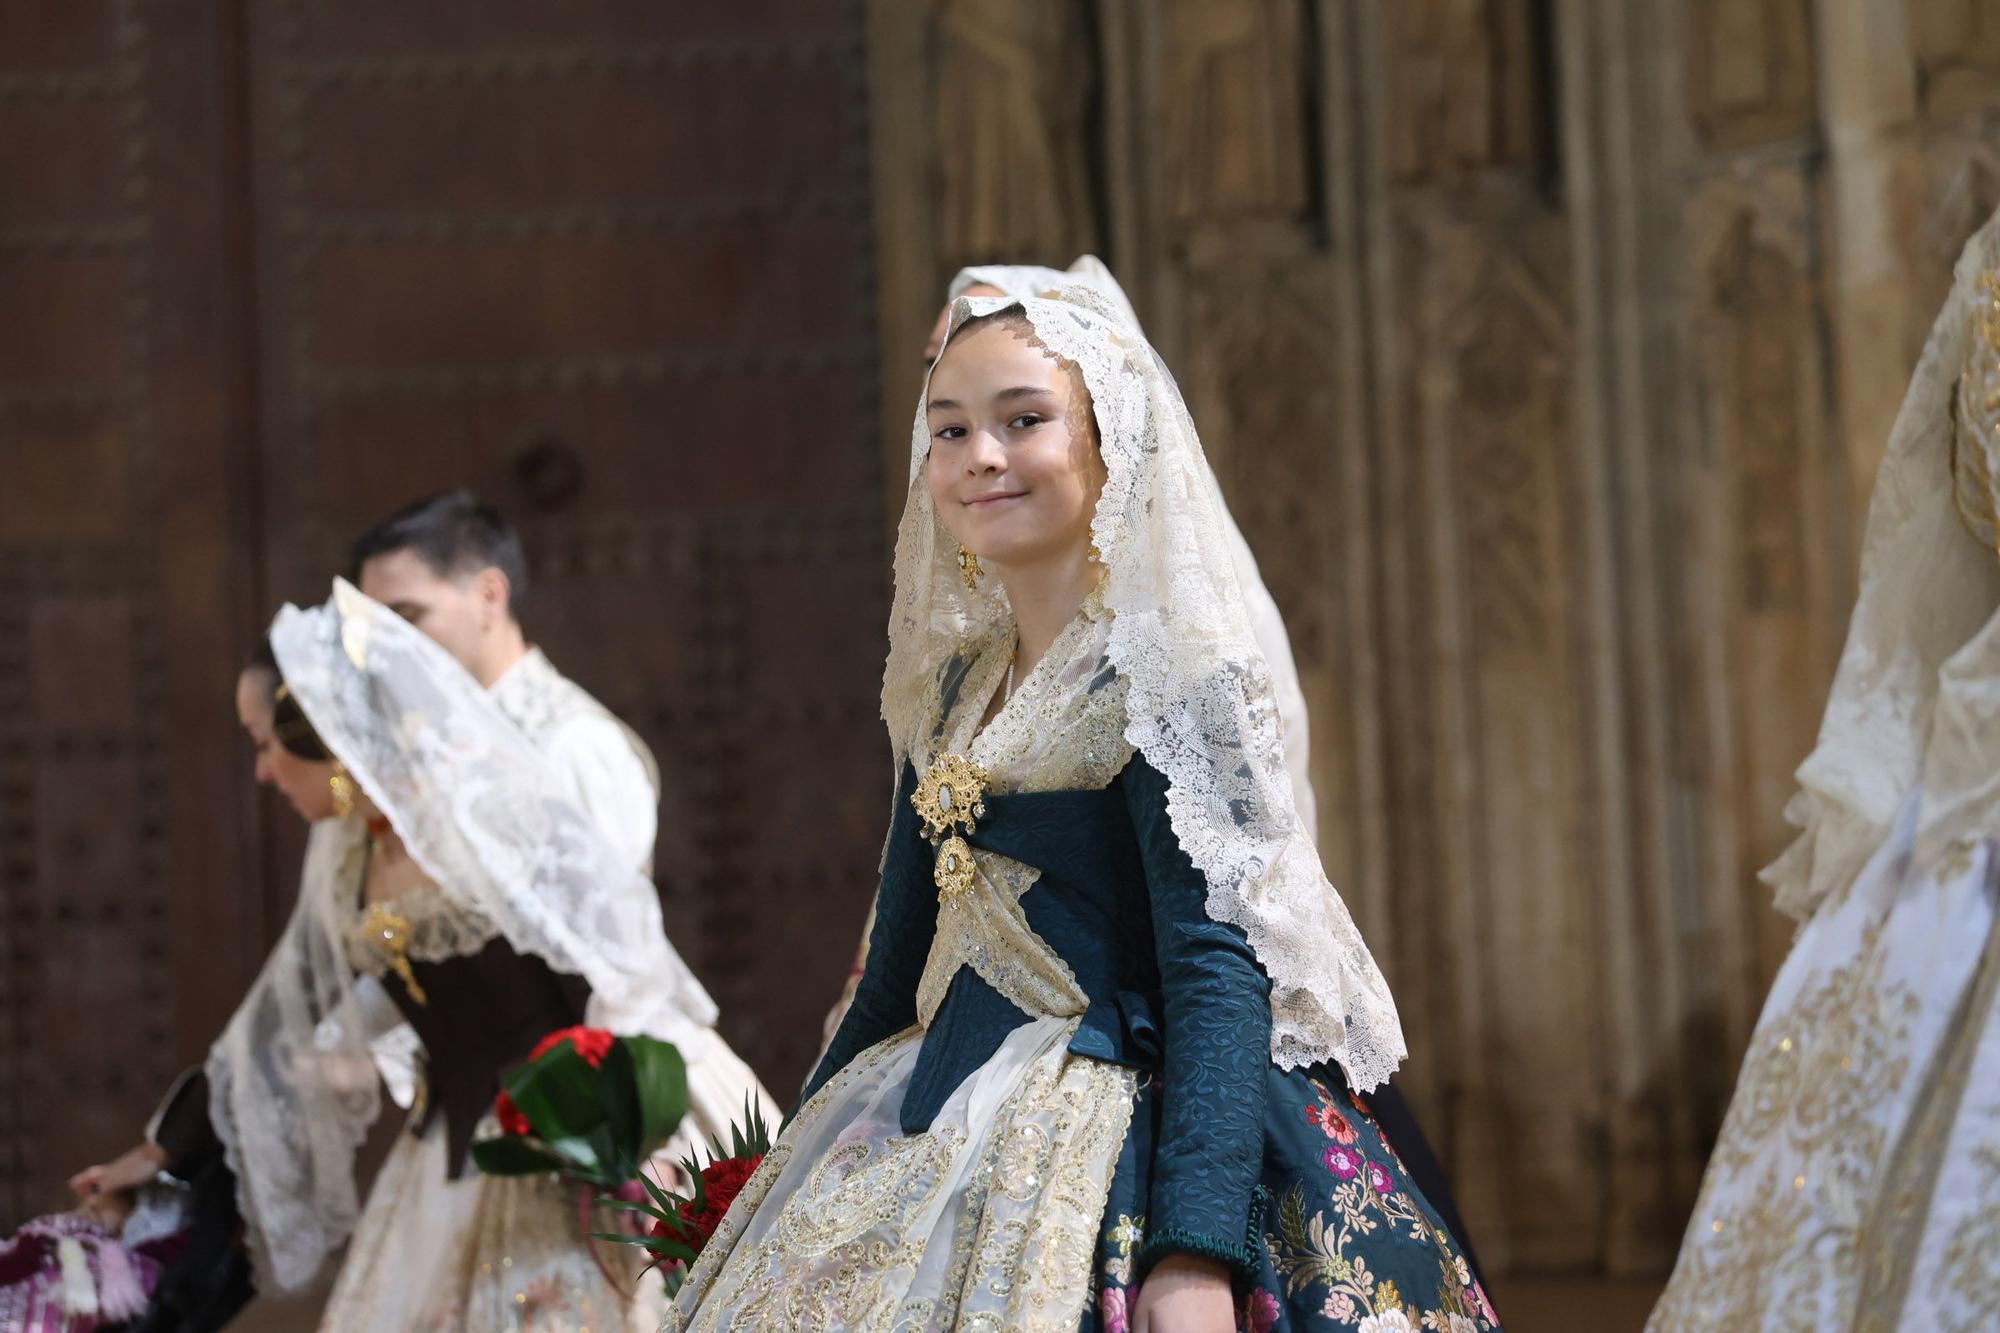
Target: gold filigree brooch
x,y
390,932
951,797
952,794
954,869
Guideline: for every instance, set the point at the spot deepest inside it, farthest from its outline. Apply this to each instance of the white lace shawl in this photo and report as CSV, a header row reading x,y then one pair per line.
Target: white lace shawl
x,y
1200,705
1928,594
1021,281
292,1087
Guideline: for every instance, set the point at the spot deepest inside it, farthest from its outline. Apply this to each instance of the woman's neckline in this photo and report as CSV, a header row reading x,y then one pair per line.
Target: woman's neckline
x,y
400,902
1026,683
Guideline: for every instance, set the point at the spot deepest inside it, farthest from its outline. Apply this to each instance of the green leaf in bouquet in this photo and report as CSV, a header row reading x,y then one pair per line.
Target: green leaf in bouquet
x,y
620,1081
634,1206
691,1167
659,1077
515,1157
559,1094
661,1196
614,1161
660,1245
750,1136
579,1156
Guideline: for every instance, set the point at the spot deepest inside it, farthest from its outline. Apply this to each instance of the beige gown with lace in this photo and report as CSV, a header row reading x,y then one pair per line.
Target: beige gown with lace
x,y
1856,1183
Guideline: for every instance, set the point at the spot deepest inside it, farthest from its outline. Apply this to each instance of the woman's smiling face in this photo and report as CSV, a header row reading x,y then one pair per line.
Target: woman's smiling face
x,y
1013,466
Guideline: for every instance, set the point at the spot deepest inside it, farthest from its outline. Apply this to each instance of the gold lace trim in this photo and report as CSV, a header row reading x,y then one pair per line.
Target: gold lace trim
x,y
1971,1265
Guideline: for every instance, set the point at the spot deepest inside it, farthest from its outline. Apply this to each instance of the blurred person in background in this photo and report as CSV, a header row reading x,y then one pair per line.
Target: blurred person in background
x,y
1856,1182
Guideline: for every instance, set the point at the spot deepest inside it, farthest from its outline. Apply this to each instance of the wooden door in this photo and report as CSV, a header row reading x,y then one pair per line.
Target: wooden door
x,y
272,270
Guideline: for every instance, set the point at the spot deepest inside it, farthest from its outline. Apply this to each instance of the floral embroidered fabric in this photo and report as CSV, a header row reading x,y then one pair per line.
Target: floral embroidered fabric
x,y
434,1255
1851,1186
1341,1237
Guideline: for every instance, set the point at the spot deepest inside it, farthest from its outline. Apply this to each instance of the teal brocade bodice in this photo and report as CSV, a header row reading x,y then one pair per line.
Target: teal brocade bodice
x,y
1170,992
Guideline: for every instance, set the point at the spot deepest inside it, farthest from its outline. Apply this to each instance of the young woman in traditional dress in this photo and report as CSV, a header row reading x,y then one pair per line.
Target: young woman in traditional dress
x,y
1100,1071
457,895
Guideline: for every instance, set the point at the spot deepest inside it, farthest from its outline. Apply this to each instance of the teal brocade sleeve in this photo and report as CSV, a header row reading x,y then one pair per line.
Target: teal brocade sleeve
x,y
885,1000
1217,1019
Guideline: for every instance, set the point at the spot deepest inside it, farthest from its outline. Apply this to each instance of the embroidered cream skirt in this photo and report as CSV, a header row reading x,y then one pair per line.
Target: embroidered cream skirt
x,y
1855,1182
479,1252
987,1220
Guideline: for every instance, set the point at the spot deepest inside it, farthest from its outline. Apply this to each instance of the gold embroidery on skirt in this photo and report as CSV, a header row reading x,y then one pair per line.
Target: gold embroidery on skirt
x,y
1025,1218
1895,1225
1035,1259
1810,1088
1972,1260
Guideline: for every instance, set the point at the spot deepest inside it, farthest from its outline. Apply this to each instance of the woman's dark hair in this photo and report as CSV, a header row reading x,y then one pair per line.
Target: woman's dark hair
x,y
288,721
454,533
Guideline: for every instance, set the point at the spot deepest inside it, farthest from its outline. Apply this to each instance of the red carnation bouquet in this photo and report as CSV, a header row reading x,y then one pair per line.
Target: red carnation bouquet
x,y
587,1105
591,1044
684,1224
593,1107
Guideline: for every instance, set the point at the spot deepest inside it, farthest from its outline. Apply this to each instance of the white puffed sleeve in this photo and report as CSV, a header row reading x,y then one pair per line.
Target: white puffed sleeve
x,y
595,759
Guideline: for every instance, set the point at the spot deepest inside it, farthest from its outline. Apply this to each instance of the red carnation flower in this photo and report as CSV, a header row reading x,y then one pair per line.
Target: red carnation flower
x,y
593,1044
721,1182
511,1119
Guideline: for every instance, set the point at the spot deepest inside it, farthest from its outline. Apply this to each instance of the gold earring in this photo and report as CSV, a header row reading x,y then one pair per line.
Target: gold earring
x,y
970,569
342,788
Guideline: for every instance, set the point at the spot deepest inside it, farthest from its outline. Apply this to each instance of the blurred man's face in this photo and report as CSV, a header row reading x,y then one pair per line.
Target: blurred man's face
x,y
458,611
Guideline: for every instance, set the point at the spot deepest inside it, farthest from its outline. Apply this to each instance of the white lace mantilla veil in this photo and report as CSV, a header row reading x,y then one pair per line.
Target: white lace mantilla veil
x,y
1199,705
1266,623
292,1087
1927,588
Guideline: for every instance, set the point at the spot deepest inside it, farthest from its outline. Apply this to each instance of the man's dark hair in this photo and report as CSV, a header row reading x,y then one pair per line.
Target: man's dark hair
x,y
454,533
